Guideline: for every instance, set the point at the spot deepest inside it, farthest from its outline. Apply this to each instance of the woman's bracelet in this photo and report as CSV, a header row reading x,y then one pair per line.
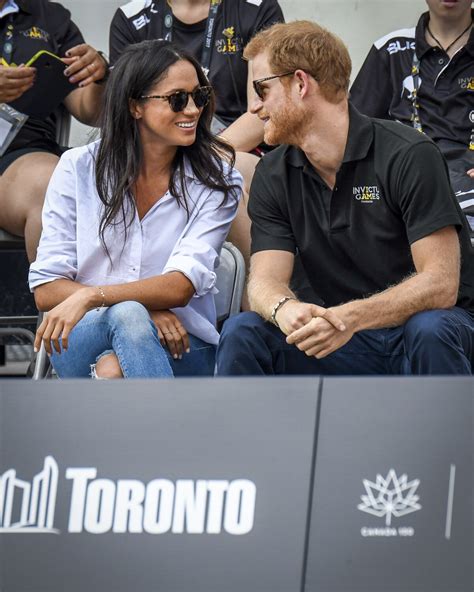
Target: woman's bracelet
x,y
102,293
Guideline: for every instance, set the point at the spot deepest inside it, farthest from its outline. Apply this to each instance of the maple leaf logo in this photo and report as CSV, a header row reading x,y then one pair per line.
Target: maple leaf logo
x,y
389,497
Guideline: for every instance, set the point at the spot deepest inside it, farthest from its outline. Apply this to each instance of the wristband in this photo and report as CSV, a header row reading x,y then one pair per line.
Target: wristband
x,y
107,69
277,307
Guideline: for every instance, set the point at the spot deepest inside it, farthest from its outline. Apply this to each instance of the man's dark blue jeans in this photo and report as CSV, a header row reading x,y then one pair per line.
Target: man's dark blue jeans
x,y
430,342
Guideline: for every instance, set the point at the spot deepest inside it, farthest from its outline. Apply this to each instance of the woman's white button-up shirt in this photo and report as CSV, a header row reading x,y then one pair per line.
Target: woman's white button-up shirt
x,y
165,239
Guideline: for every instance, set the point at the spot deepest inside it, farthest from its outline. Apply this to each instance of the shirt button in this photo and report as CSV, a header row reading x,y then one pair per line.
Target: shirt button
x,y
441,61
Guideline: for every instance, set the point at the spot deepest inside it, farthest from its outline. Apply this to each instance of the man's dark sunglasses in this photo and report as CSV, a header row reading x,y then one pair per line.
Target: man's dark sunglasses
x,y
179,99
257,84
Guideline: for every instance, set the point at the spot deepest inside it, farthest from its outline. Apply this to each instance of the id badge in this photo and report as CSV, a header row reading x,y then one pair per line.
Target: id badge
x,y
11,122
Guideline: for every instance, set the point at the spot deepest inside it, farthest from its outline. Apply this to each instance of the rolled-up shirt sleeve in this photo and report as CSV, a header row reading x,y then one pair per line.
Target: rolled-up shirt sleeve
x,y
197,251
57,255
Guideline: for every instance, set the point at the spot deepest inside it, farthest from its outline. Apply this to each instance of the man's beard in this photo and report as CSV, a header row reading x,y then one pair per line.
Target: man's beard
x,y
284,126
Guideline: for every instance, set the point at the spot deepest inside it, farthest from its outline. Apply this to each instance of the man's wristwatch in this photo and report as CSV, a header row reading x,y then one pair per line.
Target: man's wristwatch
x,y
277,307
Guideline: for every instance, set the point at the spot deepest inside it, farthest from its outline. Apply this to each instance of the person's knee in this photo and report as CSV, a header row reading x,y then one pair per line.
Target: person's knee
x,y
429,327
108,367
130,314
245,163
240,330
22,190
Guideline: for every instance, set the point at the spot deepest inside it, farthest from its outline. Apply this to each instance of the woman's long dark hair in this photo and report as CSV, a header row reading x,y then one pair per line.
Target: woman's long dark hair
x,y
119,156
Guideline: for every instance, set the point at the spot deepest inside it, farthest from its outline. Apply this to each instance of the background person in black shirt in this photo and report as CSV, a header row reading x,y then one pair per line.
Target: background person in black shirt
x,y
424,77
368,205
229,29
26,27
228,25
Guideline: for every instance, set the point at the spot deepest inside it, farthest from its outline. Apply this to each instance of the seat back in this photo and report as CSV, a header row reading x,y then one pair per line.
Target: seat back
x,y
229,283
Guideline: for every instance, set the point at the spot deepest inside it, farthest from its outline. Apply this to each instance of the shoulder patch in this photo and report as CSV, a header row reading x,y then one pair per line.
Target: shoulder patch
x,y
134,7
256,2
404,33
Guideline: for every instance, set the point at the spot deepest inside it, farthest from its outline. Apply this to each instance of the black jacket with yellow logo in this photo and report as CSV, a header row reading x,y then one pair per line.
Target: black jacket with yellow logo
x,y
384,86
39,25
237,22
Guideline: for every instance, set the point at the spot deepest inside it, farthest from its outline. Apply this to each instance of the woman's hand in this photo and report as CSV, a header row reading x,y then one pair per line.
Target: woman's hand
x,y
171,332
61,319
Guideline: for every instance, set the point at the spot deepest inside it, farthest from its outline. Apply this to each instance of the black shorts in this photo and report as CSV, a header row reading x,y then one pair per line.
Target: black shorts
x,y
7,159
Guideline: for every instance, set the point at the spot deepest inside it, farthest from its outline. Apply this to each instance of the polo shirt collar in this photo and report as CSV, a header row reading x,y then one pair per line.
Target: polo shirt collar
x,y
10,7
360,136
422,47
359,140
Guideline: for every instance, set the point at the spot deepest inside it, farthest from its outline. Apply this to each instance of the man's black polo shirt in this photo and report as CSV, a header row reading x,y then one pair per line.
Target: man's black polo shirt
x,y
392,189
237,22
384,85
38,25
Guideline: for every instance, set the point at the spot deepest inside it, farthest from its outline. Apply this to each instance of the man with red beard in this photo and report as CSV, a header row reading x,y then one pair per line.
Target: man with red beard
x,y
368,206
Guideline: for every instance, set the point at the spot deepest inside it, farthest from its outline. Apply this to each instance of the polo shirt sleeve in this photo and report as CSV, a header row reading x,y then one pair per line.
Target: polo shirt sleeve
x,y
424,194
121,35
57,252
196,253
271,228
269,13
67,34
372,91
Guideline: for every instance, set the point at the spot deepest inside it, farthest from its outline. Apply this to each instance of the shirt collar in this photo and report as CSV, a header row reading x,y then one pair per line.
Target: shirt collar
x,y
423,47
359,140
10,7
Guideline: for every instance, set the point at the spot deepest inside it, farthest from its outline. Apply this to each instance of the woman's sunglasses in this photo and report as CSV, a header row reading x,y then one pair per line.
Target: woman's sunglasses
x,y
179,99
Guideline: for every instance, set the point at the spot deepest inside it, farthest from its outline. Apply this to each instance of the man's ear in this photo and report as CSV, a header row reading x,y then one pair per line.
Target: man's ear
x,y
303,81
135,109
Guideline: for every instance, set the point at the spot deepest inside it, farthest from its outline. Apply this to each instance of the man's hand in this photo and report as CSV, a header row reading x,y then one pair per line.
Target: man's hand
x,y
319,337
15,81
85,65
470,172
171,332
294,314
60,320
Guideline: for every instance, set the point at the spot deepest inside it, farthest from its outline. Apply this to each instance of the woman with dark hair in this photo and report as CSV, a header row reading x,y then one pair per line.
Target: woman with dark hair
x,y
133,225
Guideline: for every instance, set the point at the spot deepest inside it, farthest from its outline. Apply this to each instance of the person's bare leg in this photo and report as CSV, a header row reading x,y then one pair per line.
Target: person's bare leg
x,y
239,234
22,190
108,367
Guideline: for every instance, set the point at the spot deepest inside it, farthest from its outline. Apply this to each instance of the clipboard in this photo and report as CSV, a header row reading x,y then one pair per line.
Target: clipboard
x,y
51,87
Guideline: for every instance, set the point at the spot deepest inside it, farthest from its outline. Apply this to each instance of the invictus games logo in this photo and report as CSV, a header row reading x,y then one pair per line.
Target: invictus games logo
x,y
366,194
388,498
98,506
466,83
231,43
36,33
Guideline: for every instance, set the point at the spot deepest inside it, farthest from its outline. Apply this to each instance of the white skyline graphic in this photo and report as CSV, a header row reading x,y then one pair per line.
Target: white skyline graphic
x,y
29,507
390,497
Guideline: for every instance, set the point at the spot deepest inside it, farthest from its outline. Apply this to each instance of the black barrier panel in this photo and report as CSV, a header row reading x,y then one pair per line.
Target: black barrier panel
x,y
185,485
393,499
